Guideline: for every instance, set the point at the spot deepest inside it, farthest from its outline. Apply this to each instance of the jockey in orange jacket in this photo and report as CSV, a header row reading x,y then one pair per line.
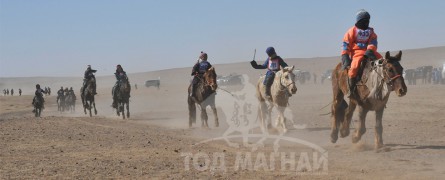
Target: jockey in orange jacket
x,y
359,43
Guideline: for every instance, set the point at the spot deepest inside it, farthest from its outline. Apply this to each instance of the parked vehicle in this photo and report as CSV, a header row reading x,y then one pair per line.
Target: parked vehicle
x,y
154,83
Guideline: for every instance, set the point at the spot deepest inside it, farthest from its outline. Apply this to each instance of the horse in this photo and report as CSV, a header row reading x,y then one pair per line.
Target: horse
x,y
281,90
87,96
70,102
379,79
38,106
123,97
61,102
204,96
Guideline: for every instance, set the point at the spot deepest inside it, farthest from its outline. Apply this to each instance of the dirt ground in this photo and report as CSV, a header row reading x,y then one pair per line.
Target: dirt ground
x,y
155,142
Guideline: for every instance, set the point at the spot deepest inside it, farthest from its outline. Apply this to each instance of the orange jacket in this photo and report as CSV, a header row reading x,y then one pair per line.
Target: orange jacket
x,y
357,41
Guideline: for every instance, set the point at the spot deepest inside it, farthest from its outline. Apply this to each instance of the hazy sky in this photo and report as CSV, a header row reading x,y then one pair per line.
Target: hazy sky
x,y
59,38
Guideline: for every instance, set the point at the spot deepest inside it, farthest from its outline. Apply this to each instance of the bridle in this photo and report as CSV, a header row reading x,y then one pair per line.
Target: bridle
x,y
385,77
284,84
205,82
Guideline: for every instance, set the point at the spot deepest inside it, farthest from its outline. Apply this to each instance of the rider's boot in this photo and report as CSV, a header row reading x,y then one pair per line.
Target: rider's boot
x,y
268,95
352,83
269,82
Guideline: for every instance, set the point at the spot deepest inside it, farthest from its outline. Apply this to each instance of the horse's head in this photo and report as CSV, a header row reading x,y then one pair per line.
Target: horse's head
x,y
210,78
393,72
287,80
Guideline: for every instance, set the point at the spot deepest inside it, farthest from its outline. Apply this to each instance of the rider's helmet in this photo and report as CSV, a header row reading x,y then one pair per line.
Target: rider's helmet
x,y
71,88
270,51
203,56
362,19
37,86
89,66
61,87
362,14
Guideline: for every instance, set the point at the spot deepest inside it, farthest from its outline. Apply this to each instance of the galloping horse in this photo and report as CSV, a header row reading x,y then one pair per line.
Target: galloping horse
x,y
379,78
282,88
123,97
88,97
204,96
70,102
38,105
61,102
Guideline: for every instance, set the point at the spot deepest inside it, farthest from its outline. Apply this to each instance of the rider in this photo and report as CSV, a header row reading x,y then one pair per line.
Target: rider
x,y
60,93
120,74
39,94
359,43
87,77
273,63
198,71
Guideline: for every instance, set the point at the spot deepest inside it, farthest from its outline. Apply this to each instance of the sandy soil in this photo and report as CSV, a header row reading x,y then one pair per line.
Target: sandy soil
x,y
154,142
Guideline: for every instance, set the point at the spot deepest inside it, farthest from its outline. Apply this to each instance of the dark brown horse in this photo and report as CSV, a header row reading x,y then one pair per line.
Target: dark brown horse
x,y
204,96
88,97
123,97
379,78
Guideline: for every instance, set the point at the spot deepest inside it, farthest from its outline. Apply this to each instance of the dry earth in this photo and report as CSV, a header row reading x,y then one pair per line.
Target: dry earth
x,y
154,141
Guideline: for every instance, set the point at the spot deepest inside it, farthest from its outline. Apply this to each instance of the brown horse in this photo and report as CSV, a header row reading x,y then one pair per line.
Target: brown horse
x,y
87,96
204,96
379,78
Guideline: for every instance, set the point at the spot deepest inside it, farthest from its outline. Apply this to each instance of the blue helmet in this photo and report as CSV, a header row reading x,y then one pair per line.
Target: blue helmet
x,y
362,14
270,51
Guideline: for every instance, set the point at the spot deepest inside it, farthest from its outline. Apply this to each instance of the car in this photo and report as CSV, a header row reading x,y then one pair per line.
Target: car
x,y
232,79
302,76
154,83
326,75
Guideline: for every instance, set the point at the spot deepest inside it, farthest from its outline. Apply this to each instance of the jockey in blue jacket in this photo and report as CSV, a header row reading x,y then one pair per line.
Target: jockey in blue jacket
x,y
198,70
120,74
273,63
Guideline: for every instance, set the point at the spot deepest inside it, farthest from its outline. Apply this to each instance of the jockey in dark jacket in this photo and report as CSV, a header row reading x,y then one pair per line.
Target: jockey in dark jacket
x,y
120,74
38,94
89,74
273,64
198,71
60,94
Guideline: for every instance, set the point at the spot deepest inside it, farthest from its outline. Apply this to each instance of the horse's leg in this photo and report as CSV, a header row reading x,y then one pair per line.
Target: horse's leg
x,y
128,109
378,128
204,116
192,111
281,124
123,110
338,115
361,128
90,107
269,115
215,113
94,105
344,127
263,114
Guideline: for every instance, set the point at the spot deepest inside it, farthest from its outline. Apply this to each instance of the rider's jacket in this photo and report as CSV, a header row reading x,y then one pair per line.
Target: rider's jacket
x,y
200,68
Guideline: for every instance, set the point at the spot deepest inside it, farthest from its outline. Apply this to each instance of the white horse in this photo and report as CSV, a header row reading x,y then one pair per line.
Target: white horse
x,y
281,90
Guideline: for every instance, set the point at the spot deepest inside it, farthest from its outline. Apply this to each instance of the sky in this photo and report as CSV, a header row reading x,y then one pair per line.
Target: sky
x,y
60,38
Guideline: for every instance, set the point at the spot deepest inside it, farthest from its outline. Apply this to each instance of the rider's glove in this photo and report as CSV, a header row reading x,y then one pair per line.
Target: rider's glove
x,y
346,61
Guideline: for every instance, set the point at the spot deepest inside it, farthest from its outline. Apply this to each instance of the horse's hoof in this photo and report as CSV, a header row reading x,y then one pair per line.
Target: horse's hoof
x,y
334,138
344,133
381,148
355,139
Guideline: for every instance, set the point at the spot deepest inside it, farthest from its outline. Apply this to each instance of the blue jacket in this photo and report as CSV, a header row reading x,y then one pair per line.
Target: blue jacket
x,y
272,65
